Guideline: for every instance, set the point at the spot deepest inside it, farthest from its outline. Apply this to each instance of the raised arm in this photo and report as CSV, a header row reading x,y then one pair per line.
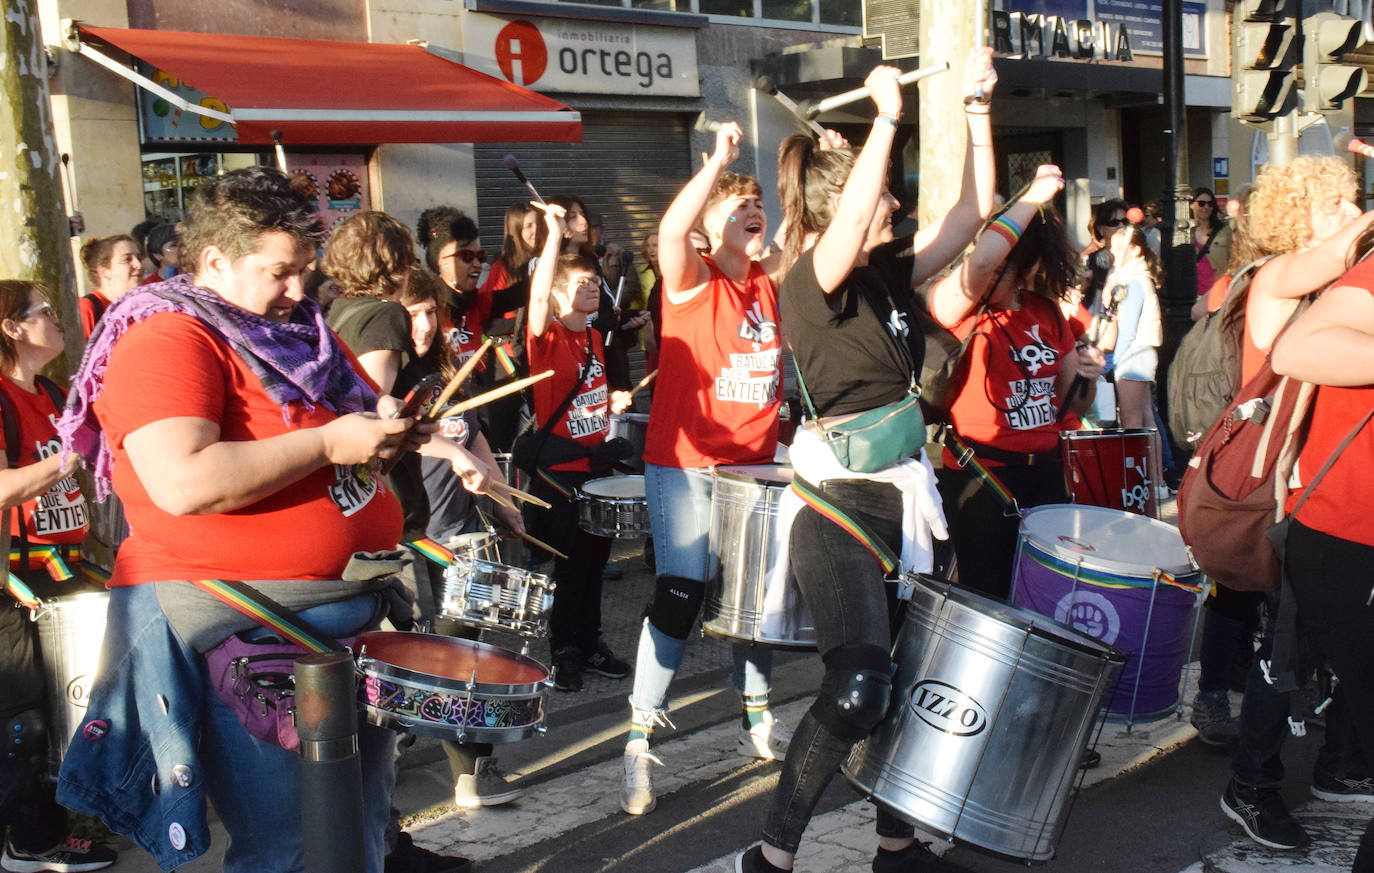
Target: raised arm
x,y
540,311
839,246
1332,343
937,244
684,272
956,295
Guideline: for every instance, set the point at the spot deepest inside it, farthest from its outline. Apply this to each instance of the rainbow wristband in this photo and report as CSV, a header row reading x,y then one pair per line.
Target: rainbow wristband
x,y
1003,232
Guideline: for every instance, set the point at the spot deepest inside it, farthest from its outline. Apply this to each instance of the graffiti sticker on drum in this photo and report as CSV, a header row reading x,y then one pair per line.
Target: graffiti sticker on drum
x,y
947,709
1076,545
1090,613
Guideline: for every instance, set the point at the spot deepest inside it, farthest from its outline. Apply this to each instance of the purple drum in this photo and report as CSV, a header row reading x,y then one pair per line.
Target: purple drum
x,y
1121,578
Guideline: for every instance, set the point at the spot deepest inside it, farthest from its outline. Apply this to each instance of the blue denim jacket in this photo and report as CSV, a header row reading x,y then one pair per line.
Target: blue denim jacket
x,y
142,722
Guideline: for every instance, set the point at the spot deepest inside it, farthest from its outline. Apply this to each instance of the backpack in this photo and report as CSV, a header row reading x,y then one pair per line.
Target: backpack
x,y
1236,485
1205,374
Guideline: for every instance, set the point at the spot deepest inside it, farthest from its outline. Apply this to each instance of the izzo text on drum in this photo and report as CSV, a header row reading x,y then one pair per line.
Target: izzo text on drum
x,y
456,709
947,709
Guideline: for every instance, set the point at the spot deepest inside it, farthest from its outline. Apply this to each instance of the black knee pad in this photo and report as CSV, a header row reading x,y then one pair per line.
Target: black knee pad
x,y
676,602
855,691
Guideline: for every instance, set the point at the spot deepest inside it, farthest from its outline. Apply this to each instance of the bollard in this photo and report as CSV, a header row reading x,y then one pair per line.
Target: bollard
x,y
331,769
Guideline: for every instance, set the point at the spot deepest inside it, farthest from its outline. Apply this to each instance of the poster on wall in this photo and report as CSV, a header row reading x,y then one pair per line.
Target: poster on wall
x,y
335,183
162,122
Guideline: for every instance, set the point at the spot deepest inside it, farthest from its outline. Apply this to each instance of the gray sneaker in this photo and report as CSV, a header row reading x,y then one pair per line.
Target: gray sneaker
x,y
486,787
637,789
1213,720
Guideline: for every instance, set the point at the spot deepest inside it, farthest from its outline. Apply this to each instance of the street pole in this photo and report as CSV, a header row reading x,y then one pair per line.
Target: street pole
x,y
1180,256
33,221
947,34
1283,140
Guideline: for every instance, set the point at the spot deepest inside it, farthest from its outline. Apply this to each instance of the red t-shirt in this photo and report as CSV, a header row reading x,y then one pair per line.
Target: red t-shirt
x,y
1342,504
464,335
60,515
1006,403
86,306
171,365
716,401
587,419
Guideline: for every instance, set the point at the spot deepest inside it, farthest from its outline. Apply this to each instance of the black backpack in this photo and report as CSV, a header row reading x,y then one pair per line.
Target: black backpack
x,y
1205,374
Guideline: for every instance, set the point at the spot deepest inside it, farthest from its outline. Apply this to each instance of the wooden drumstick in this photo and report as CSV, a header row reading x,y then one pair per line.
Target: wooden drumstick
x,y
643,383
510,489
497,498
543,545
459,378
495,393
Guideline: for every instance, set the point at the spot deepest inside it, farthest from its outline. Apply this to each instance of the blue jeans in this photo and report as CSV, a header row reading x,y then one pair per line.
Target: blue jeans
x,y
680,517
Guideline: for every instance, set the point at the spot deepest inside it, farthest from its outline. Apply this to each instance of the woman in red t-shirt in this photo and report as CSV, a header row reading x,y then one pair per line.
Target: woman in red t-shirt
x,y
114,267
716,402
1021,361
507,289
1330,544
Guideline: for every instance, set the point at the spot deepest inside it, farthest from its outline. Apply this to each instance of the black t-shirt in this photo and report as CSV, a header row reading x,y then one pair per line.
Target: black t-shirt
x,y
843,343
369,324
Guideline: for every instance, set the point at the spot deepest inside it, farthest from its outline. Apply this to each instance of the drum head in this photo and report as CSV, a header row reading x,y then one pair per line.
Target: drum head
x,y
451,658
616,488
638,418
1111,433
779,475
1110,540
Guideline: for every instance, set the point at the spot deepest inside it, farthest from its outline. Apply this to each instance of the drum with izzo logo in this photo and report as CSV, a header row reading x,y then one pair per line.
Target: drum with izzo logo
x,y
991,709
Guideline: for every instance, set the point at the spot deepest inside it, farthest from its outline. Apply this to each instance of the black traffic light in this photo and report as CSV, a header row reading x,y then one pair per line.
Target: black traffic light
x,y
1264,55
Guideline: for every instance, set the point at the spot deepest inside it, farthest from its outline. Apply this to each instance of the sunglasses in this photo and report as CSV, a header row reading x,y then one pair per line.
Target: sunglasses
x,y
468,256
1205,202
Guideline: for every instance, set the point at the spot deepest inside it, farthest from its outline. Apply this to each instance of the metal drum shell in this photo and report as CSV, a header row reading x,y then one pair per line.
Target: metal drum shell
x,y
618,516
634,427
396,693
991,709
71,630
489,594
744,544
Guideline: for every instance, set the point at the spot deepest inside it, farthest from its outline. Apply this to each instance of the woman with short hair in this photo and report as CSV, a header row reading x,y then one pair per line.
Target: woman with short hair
x,y
113,265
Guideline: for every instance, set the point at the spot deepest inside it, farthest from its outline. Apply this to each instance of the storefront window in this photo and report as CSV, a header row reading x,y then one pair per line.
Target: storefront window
x,y
842,13
787,10
734,8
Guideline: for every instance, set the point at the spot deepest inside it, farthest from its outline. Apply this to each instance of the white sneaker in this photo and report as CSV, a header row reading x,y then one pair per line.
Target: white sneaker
x,y
637,791
767,740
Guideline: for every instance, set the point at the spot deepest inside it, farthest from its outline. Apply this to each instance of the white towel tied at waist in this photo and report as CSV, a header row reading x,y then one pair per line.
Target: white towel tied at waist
x,y
923,517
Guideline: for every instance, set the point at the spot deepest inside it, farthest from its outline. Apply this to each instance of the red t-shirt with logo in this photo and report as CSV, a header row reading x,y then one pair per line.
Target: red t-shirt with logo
x,y
463,333
1014,359
59,515
171,365
716,397
587,419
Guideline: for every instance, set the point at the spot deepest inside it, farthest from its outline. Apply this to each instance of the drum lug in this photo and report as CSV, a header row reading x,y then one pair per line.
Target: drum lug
x,y
541,729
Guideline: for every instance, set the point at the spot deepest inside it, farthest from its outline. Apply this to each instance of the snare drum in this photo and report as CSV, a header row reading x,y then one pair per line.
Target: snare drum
x,y
991,709
70,632
613,507
633,426
1118,468
745,601
449,688
484,593
478,544
1118,577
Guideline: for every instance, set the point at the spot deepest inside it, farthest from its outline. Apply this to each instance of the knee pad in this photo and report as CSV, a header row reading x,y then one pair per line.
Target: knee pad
x,y
676,602
855,691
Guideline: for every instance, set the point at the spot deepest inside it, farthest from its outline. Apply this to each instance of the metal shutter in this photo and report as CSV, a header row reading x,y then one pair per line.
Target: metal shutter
x,y
628,168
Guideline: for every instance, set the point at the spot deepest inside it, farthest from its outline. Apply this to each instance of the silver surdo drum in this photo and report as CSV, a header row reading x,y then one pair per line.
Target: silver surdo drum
x,y
992,707
71,630
746,600
613,507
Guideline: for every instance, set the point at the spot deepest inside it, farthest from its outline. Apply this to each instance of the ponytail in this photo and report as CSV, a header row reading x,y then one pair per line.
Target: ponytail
x,y
807,177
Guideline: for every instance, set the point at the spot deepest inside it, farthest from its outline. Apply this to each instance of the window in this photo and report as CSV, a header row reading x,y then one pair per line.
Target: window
x,y
812,13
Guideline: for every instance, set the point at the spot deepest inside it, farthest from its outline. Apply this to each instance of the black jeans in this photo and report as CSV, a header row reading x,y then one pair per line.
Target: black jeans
x,y
1228,629
843,586
984,530
575,619
1334,587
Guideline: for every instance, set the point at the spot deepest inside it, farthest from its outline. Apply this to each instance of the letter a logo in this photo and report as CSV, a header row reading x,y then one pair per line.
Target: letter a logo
x,y
520,43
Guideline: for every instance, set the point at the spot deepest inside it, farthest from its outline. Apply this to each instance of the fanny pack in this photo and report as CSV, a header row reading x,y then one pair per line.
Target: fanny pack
x,y
878,438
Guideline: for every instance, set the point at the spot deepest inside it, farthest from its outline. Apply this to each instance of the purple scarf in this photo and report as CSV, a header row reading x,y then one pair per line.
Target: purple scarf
x,y
297,362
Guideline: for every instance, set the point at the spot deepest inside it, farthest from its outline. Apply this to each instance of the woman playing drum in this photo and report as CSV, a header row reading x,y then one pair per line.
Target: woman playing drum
x,y
234,425
1021,363
848,307
716,403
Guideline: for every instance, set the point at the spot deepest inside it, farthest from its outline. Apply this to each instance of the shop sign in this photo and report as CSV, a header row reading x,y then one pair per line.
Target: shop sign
x,y
1113,30
336,184
583,57
164,123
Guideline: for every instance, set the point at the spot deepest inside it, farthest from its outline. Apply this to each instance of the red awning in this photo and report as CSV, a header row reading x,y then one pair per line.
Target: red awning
x,y
326,92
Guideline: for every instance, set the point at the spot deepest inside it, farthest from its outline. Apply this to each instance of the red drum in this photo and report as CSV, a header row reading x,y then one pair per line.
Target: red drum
x,y
449,688
1117,468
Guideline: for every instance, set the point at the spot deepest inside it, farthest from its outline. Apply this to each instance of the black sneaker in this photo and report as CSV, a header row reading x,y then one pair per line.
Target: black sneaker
x,y
69,856
1349,790
1261,814
751,860
915,858
568,664
603,662
1213,720
407,857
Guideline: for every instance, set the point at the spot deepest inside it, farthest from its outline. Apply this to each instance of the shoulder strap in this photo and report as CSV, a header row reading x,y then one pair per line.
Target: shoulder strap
x,y
270,614
1207,246
547,427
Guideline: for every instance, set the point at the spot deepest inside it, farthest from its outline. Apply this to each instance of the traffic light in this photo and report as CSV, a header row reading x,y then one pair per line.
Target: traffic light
x,y
1327,38
1264,54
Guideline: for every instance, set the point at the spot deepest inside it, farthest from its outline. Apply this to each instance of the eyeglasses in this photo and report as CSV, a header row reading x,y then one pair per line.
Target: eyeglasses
x,y
1207,203
44,308
469,256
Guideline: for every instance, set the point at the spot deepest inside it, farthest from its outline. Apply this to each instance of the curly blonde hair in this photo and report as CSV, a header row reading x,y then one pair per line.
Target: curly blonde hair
x,y
1278,211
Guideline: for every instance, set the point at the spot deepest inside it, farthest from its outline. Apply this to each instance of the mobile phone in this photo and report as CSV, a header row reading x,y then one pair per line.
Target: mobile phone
x,y
417,398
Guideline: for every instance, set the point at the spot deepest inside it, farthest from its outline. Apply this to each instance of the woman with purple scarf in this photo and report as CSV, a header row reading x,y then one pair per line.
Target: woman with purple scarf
x,y
244,446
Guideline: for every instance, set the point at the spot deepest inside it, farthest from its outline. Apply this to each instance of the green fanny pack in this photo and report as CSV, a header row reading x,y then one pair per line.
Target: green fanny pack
x,y
880,437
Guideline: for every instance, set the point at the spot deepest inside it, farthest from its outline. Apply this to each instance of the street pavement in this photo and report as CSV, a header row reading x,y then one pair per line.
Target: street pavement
x,y
1151,807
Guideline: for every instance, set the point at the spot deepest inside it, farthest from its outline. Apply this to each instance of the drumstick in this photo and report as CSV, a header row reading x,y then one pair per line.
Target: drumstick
x,y
497,498
523,495
460,377
495,393
543,545
643,383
